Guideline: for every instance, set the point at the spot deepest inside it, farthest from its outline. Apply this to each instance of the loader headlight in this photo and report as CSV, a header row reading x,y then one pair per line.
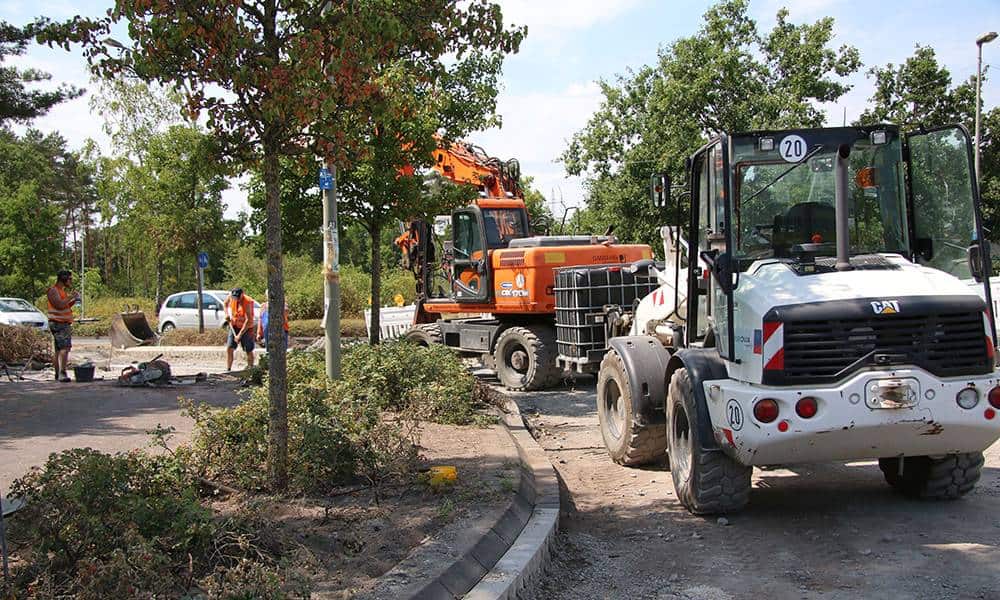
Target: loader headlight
x,y
967,397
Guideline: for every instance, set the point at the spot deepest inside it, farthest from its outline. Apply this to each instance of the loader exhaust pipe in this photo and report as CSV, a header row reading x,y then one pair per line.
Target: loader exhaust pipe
x,y
843,231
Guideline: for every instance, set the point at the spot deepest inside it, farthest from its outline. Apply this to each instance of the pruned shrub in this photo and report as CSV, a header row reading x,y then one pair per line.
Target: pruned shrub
x,y
18,343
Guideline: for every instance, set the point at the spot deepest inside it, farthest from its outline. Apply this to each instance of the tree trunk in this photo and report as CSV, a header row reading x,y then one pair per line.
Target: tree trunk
x,y
375,231
159,278
277,389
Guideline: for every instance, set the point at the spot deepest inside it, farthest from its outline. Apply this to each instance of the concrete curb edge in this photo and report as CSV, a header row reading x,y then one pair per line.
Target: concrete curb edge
x,y
524,562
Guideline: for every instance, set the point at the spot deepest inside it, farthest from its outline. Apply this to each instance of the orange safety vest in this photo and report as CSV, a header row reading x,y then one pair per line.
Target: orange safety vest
x,y
266,308
59,315
240,312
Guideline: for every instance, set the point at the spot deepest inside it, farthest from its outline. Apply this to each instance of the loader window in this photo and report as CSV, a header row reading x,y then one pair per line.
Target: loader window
x,y
467,239
785,208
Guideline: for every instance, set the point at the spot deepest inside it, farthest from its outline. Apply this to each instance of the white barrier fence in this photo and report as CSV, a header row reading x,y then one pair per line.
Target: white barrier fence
x,y
394,321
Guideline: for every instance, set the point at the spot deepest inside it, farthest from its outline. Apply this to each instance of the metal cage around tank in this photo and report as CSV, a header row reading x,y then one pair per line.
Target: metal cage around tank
x,y
585,297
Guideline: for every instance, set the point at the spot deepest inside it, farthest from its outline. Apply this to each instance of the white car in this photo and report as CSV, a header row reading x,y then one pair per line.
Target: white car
x,y
180,310
18,311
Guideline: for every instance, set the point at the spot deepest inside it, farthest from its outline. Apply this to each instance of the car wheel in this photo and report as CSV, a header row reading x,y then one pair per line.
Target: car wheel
x,y
167,327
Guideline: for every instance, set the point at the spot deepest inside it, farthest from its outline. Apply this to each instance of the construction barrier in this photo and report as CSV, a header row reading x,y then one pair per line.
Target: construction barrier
x,y
393,321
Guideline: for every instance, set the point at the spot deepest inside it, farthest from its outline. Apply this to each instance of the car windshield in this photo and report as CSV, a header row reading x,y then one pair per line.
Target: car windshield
x,y
12,305
785,195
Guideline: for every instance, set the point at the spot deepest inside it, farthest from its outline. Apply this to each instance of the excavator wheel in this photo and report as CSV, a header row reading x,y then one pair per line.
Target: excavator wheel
x,y
424,334
525,358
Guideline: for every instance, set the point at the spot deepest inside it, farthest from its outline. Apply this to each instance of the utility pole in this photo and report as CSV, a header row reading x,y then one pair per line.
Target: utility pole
x,y
83,269
331,270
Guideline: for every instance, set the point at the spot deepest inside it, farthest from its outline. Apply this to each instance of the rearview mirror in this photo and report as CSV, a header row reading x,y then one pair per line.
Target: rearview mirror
x,y
978,262
659,190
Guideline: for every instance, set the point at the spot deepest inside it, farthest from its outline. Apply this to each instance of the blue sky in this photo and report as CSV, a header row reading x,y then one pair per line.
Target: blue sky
x,y
549,87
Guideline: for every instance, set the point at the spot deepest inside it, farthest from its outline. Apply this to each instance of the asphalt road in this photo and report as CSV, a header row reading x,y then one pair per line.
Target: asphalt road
x,y
818,531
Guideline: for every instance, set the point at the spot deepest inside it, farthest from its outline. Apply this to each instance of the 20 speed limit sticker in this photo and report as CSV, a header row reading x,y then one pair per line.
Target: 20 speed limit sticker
x,y
734,414
792,148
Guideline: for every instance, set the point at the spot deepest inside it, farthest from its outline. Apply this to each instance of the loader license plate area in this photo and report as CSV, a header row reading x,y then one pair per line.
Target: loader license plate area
x,y
895,392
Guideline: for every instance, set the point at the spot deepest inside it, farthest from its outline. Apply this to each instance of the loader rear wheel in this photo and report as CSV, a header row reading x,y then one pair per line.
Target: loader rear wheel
x,y
947,478
628,442
424,334
706,481
526,358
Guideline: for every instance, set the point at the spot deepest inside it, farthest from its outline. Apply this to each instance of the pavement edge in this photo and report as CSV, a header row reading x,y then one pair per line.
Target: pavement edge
x,y
522,565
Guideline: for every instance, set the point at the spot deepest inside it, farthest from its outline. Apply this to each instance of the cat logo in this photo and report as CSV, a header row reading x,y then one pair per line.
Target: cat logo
x,y
885,307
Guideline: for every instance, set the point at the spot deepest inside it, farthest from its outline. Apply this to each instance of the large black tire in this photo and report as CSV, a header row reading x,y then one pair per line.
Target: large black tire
x,y
628,442
525,358
706,481
424,334
947,478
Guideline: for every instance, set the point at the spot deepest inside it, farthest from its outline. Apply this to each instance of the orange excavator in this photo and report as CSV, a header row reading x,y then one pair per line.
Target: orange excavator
x,y
492,293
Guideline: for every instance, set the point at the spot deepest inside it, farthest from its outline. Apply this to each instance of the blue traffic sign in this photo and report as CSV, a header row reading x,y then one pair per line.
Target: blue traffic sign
x,y
325,179
203,260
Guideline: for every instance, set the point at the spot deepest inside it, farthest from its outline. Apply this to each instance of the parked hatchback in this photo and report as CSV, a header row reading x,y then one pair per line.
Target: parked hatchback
x,y
18,311
180,310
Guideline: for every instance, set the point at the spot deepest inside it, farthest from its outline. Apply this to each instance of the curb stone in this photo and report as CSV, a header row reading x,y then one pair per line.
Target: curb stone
x,y
500,554
522,565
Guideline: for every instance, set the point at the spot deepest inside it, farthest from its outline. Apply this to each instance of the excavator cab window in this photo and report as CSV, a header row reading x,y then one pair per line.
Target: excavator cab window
x,y
503,225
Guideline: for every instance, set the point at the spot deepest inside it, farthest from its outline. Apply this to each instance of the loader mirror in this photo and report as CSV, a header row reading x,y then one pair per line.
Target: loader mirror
x,y
976,262
659,190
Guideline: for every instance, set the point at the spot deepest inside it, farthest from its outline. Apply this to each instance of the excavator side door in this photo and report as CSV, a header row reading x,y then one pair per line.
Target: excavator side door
x,y
470,262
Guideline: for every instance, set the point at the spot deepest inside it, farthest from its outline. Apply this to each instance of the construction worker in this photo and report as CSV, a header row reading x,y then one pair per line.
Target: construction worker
x,y
239,315
61,301
262,323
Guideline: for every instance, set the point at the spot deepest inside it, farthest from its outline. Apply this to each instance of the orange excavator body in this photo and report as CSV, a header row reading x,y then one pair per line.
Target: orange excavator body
x,y
501,268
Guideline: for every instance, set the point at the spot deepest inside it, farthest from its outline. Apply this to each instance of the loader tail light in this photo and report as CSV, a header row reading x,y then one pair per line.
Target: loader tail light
x,y
995,397
967,397
766,410
806,407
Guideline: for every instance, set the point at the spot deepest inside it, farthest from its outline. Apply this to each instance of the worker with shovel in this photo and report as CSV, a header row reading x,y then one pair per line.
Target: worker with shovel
x,y
239,316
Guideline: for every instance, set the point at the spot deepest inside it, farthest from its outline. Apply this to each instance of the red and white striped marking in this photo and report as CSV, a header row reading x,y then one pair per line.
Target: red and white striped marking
x,y
774,346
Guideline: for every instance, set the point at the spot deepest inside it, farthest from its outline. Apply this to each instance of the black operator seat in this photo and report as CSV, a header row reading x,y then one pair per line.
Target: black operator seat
x,y
804,223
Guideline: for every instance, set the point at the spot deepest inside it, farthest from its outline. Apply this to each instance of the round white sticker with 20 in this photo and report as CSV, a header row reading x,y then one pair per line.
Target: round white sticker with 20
x,y
792,148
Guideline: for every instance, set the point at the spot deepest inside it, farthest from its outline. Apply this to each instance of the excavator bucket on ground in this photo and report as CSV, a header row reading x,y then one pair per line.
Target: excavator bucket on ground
x,y
130,328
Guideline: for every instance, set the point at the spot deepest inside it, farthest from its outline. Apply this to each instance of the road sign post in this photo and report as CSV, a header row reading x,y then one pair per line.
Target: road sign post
x,y
331,271
202,264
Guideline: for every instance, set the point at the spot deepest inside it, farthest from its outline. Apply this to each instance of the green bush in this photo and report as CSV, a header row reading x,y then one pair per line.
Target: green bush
x,y
355,289
330,440
430,383
132,525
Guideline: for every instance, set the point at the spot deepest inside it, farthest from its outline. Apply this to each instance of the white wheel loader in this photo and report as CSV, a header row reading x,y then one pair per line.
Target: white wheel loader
x,y
813,306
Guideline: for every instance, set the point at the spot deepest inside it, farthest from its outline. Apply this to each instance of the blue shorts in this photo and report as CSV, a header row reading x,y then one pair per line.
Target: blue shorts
x,y
246,341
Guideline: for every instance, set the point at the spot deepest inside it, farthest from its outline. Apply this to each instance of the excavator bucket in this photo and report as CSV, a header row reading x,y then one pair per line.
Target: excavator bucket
x,y
130,328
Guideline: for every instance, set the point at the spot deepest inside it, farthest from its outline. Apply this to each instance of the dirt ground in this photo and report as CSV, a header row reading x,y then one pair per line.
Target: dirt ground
x,y
818,531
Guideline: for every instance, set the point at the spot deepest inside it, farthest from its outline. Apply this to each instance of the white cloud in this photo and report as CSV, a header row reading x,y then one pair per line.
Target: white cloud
x,y
536,129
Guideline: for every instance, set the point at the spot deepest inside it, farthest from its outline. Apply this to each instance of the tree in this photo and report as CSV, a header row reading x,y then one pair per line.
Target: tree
x,y
17,102
920,92
280,78
726,78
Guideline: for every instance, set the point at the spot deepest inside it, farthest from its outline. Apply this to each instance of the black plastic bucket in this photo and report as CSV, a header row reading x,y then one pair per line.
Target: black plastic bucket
x,y
84,373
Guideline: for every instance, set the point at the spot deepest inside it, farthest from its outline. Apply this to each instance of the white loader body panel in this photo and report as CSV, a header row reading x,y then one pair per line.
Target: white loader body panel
x,y
845,426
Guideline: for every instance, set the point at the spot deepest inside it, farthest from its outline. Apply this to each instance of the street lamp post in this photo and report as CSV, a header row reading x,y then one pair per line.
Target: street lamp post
x,y
986,38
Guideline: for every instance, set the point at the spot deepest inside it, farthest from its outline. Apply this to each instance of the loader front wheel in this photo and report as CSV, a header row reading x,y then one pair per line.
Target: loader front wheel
x,y
525,358
424,334
946,478
628,442
706,481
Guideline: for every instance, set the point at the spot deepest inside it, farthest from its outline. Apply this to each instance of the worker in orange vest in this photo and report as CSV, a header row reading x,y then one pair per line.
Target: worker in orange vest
x,y
61,301
239,315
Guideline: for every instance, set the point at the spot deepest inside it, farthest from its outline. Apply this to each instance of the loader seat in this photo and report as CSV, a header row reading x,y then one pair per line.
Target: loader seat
x,y
801,224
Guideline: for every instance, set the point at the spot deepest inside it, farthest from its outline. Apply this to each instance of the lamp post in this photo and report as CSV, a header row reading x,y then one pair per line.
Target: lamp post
x,y
986,38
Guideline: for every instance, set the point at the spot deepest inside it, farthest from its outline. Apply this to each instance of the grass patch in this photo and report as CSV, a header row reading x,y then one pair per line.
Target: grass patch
x,y
190,337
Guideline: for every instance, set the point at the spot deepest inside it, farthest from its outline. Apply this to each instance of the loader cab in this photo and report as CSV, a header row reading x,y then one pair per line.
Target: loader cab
x,y
771,196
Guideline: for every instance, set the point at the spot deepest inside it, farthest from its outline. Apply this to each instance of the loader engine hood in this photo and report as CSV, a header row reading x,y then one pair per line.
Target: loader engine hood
x,y
823,327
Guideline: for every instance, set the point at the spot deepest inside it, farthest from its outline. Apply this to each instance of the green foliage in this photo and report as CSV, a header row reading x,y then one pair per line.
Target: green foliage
x,y
133,525
329,439
432,382
17,102
728,77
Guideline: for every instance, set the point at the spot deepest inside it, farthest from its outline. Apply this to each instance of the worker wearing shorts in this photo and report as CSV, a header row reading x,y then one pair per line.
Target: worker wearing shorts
x,y
60,304
239,315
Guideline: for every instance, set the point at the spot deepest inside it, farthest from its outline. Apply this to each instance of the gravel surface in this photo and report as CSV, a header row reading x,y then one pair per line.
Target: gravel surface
x,y
814,531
